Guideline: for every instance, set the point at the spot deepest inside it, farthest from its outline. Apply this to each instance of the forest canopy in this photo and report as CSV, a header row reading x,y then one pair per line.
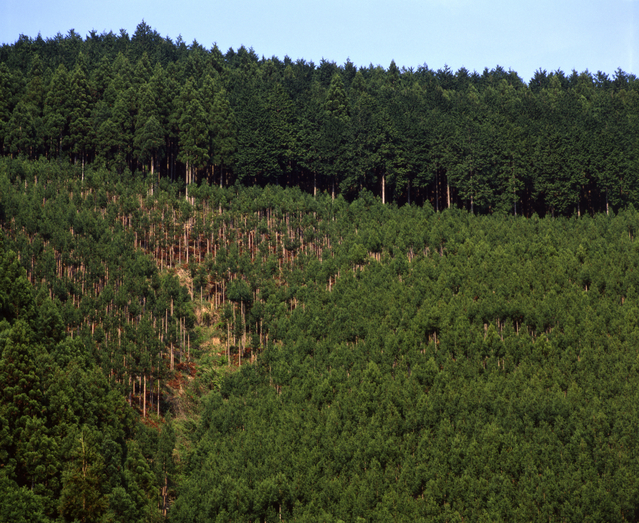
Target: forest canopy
x,y
562,144
245,289
386,362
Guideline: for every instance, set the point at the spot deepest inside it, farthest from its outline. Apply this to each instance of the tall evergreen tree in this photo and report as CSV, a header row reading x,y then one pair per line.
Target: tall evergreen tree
x,y
335,153
193,138
57,107
80,126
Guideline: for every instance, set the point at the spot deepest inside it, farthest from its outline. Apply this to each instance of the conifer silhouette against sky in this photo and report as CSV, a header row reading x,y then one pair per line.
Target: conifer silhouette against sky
x,y
520,35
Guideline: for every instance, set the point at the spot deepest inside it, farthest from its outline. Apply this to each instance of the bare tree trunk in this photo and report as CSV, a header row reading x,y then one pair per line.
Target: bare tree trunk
x,y
144,401
188,179
165,490
243,327
383,189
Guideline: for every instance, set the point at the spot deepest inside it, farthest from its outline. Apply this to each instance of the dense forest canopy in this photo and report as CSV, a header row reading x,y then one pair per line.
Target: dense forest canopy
x,y
561,144
391,363
244,289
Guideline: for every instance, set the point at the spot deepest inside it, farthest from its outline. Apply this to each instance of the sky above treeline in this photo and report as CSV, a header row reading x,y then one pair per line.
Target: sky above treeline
x,y
594,35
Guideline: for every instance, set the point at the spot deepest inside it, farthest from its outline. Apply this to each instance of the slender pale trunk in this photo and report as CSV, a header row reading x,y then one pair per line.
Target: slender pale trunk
x,y
239,342
165,490
144,401
188,180
383,189
243,327
448,193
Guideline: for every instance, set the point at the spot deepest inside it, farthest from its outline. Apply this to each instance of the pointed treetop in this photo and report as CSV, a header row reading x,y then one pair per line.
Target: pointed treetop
x,y
336,104
358,85
81,64
393,73
143,69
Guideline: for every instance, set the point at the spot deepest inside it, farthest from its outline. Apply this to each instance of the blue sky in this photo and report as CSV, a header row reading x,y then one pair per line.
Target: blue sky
x,y
519,35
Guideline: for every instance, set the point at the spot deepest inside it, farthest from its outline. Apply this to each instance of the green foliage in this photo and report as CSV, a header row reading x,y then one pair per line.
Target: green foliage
x,y
20,505
65,428
489,143
470,364
81,497
405,363
370,362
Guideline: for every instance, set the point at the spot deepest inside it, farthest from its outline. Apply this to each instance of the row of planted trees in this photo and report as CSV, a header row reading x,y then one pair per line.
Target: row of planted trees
x,y
76,236
244,253
486,375
71,448
394,350
135,320
109,250
488,142
80,238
